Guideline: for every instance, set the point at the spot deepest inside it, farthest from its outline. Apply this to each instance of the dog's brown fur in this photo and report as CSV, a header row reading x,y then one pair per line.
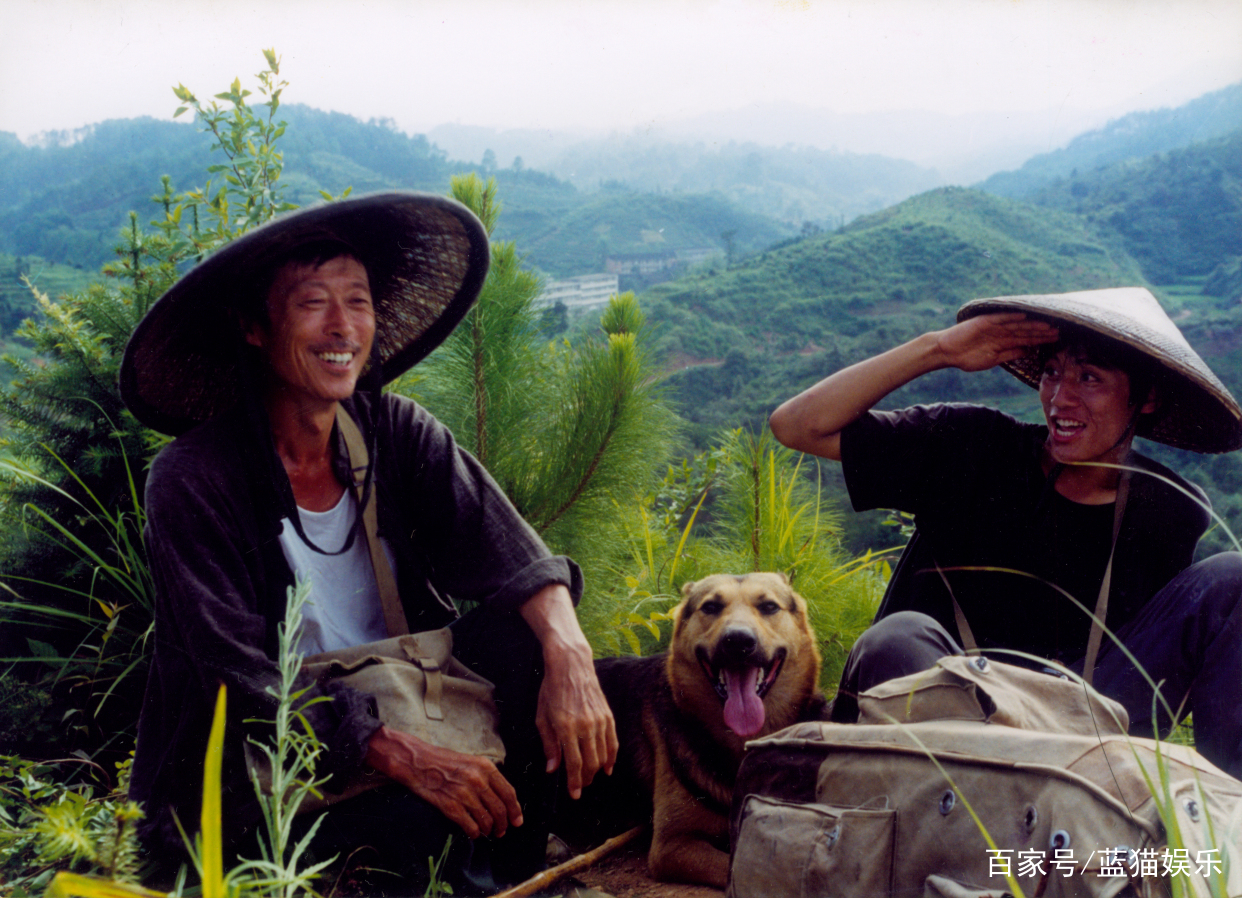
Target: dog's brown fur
x,y
670,715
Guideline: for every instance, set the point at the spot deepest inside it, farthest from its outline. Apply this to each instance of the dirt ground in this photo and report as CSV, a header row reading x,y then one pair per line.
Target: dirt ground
x,y
623,874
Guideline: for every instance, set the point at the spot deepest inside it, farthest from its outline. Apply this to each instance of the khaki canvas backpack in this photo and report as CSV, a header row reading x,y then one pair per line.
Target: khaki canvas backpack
x,y
899,803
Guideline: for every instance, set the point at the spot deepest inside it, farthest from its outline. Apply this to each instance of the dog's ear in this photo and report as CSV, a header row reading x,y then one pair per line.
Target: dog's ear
x,y
784,577
687,588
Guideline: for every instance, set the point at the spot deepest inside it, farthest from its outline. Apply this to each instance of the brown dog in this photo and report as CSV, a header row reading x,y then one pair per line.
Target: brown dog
x,y
742,663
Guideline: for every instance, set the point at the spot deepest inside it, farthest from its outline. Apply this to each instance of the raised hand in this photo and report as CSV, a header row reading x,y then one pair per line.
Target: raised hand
x,y
985,341
466,789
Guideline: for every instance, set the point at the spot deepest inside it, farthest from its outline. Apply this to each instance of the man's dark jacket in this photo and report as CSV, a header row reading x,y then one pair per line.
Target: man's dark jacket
x,y
215,499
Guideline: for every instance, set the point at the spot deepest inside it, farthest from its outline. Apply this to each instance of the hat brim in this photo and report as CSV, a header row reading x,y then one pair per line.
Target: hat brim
x,y
427,258
1196,412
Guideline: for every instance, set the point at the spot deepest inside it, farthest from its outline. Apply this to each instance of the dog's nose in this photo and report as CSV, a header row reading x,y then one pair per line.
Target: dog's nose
x,y
738,643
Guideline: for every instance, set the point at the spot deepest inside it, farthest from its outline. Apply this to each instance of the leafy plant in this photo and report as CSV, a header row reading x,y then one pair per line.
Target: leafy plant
x,y
116,601
70,492
290,761
50,824
565,428
743,506
251,192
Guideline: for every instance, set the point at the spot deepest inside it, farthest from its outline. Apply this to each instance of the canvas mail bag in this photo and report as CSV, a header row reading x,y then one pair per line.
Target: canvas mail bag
x,y
417,685
1072,804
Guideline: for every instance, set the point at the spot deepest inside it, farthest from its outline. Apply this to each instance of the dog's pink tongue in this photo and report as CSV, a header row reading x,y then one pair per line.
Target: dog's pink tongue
x,y
743,710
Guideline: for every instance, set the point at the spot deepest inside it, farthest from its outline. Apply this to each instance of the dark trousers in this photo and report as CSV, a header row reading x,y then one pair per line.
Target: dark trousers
x,y
394,831
1188,639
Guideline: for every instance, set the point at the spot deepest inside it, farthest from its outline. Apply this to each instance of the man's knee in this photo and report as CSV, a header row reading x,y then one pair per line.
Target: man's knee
x,y
902,643
1214,587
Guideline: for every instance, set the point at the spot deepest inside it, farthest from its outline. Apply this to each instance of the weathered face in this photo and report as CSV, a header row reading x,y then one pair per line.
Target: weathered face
x,y
1087,407
321,326
743,633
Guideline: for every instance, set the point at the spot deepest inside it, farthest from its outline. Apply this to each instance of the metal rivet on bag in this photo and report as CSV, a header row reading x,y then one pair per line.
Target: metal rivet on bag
x,y
833,835
947,801
1058,840
1192,809
980,664
1030,818
1124,854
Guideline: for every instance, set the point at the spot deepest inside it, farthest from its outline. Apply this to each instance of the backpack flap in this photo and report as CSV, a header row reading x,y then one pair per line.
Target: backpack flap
x,y
977,688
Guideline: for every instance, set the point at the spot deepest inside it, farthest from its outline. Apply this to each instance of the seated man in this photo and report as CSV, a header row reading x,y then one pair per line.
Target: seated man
x,y
1023,531
247,360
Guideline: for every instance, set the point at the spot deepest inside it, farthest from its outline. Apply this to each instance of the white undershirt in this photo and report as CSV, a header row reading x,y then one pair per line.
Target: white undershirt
x,y
343,608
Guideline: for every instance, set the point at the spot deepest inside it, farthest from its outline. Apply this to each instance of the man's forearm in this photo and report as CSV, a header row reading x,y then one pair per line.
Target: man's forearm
x,y
813,420
550,615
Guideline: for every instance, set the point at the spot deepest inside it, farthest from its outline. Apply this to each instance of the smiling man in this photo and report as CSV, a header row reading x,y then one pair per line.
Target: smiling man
x,y
255,360
1019,526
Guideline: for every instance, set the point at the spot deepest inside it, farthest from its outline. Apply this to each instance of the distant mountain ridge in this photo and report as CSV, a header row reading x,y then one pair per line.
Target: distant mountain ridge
x,y
958,148
1130,137
1179,213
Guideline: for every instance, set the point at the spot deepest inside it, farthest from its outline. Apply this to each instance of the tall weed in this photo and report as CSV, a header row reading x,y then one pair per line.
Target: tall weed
x,y
743,506
106,610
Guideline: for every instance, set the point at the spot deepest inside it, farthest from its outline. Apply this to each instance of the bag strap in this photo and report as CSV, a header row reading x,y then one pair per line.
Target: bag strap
x,y
1101,604
359,461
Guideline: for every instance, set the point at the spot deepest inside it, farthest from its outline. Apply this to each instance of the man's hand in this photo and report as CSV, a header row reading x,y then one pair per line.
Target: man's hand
x,y
466,789
574,720
986,341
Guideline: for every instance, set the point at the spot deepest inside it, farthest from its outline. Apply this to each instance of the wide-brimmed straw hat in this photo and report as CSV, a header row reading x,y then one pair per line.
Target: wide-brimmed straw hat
x,y
426,257
1196,411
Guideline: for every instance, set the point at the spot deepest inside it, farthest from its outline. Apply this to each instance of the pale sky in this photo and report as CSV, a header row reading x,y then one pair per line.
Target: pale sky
x,y
613,64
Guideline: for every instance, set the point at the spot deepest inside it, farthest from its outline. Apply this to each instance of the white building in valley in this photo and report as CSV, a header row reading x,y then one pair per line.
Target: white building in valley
x,y
588,291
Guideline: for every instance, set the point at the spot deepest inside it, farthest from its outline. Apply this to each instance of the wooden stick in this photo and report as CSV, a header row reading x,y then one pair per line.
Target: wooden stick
x,y
544,879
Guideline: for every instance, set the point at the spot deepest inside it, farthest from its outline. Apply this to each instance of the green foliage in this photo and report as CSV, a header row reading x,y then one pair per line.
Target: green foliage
x,y
250,193
771,517
16,299
70,499
290,763
564,428
619,223
1178,213
291,760
26,727
49,823
437,887
742,506
110,612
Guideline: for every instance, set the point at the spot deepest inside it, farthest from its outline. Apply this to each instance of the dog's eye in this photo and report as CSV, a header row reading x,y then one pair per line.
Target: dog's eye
x,y
769,607
711,607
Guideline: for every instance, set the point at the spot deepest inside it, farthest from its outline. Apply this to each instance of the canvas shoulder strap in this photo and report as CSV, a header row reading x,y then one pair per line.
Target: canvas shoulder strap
x,y
1101,603
359,460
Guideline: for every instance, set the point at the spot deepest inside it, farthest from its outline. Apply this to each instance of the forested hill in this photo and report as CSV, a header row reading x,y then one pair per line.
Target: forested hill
x,y
779,321
740,340
67,200
1179,213
1131,137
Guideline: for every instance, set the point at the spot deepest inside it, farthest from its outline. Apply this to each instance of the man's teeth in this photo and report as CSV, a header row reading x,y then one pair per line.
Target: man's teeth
x,y
337,358
1067,426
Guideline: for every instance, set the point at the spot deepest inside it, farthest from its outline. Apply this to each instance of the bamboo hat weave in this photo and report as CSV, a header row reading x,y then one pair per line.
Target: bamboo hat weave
x,y
1196,410
426,256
